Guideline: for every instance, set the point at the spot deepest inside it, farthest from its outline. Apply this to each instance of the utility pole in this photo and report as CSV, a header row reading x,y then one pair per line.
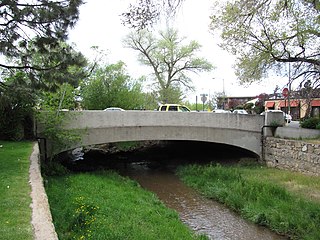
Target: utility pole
x,y
289,86
197,103
224,93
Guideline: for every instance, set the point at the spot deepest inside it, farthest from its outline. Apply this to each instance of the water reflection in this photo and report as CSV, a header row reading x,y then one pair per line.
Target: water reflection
x,y
202,215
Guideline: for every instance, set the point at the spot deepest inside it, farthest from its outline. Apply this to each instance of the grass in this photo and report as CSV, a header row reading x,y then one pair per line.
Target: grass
x,y
307,187
314,141
104,205
15,217
280,200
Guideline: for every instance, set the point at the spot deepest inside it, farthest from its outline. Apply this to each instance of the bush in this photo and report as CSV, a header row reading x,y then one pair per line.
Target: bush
x,y
312,123
53,168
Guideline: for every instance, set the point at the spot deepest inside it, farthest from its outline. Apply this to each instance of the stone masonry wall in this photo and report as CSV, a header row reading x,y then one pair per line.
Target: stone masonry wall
x,y
293,155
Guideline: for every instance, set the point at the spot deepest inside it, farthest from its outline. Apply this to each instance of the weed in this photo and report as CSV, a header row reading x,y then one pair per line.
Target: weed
x,y
84,216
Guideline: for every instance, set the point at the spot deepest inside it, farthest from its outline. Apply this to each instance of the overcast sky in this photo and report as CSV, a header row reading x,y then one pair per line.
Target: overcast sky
x,y
100,25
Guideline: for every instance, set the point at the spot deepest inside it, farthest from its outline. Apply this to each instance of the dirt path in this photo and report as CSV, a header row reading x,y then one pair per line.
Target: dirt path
x,y
43,227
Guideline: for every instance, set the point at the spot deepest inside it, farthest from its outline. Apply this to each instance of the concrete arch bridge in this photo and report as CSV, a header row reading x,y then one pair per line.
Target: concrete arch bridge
x,y
98,127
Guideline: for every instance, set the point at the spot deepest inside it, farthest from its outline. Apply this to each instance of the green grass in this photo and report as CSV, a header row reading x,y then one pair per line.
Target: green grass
x,y
104,205
265,196
307,187
15,216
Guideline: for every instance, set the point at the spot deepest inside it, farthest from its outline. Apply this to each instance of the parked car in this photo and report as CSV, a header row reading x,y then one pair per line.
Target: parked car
x,y
114,109
173,107
220,111
240,111
287,117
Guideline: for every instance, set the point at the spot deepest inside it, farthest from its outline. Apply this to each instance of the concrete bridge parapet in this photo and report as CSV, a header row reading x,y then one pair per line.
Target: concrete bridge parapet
x,y
102,119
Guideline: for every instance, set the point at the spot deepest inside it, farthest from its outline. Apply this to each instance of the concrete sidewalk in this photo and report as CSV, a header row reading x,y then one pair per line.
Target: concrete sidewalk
x,y
41,221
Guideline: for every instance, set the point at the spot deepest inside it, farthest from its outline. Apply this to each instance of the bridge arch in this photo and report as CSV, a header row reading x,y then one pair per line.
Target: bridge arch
x,y
239,138
97,127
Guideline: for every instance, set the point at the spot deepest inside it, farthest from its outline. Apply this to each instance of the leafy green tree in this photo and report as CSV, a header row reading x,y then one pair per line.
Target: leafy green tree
x,y
65,97
16,105
33,56
46,22
267,35
62,62
192,106
171,94
110,86
150,102
18,87
170,60
32,35
199,106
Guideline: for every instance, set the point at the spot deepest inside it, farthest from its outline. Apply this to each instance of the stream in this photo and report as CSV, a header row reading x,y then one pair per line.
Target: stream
x,y
154,170
200,214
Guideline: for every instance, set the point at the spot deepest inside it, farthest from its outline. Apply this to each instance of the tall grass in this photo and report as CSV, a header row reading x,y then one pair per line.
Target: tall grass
x,y
15,216
103,205
264,201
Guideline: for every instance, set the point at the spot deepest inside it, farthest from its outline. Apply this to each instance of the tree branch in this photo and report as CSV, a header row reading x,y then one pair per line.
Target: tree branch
x,y
29,67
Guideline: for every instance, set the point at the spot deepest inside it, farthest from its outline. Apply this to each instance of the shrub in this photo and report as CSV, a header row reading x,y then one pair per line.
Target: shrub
x,y
52,168
312,123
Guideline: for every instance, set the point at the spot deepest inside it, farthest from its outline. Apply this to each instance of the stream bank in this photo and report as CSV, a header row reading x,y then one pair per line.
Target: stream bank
x,y
153,167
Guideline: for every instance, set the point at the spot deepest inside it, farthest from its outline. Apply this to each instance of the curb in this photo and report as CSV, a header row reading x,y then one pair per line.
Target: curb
x,y
41,221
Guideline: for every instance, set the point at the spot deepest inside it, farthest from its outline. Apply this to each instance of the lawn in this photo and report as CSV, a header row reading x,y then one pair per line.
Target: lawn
x,y
15,217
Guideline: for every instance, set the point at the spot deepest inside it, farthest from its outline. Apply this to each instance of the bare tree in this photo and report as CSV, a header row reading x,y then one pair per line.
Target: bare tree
x,y
147,12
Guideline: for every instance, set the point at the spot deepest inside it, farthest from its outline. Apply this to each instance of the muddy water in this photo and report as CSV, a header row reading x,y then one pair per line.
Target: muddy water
x,y
202,215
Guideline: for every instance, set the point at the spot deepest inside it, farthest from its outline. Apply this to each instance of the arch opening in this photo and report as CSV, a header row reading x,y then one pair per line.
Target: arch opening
x,y
166,152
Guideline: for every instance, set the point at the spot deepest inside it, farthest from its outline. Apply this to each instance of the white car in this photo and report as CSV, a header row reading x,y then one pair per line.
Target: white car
x,y
114,109
220,111
240,111
287,117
